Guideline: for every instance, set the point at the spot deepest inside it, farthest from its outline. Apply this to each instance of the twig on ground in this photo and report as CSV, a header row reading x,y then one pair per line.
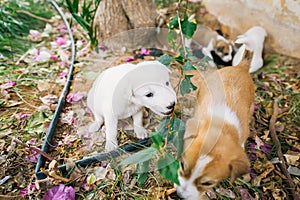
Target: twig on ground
x,y
55,176
34,16
276,113
33,148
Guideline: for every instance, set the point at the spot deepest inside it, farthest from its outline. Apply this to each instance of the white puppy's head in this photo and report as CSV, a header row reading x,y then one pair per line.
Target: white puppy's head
x,y
160,98
151,87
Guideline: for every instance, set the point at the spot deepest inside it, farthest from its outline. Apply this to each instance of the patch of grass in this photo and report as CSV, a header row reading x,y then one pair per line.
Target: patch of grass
x,y
15,23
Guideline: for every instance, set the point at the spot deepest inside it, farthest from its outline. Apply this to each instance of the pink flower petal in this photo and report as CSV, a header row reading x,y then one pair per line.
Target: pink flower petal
x,y
42,56
24,192
35,35
144,51
32,157
24,116
67,118
53,57
32,188
75,97
8,84
129,59
62,75
60,192
61,41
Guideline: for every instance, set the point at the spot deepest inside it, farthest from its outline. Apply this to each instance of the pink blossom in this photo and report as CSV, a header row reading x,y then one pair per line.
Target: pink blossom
x,y
252,173
63,29
32,157
49,99
129,59
32,188
266,148
75,97
35,35
53,57
8,84
88,110
61,41
32,141
60,192
144,51
42,56
264,87
62,75
68,118
4,93
102,48
24,116
245,194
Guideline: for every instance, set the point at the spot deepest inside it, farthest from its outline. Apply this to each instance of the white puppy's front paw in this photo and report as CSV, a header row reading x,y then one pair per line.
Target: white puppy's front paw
x,y
111,145
140,132
94,127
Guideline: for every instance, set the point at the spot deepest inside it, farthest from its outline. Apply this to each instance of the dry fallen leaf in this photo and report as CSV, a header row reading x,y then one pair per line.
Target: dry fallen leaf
x,y
278,194
268,168
292,159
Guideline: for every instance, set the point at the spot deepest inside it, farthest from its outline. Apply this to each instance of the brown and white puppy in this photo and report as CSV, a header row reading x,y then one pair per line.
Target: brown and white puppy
x,y
207,42
215,136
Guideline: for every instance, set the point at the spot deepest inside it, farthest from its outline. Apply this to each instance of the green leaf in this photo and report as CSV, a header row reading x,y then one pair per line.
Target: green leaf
x,y
91,179
141,156
203,63
172,38
188,27
173,23
168,168
157,140
180,58
186,86
143,172
162,127
188,66
166,60
177,133
84,24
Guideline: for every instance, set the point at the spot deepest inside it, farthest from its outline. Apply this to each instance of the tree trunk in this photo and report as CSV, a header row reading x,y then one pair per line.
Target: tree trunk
x,y
114,18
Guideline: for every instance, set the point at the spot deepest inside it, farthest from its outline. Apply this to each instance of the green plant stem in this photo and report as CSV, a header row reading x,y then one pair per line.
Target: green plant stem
x,y
180,28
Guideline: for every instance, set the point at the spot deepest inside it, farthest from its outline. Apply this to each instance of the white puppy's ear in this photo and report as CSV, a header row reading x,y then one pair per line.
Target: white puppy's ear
x,y
133,99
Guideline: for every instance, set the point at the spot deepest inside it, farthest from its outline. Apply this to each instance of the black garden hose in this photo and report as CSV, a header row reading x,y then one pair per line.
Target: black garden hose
x,y
49,135
132,147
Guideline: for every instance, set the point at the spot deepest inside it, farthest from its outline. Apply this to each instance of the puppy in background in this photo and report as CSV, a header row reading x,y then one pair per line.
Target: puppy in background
x,y
253,40
215,136
207,42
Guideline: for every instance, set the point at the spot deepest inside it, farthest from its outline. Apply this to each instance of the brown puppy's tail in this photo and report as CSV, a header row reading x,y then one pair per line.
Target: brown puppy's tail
x,y
246,60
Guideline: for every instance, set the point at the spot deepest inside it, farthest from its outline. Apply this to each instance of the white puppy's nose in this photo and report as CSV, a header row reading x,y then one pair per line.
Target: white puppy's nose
x,y
171,106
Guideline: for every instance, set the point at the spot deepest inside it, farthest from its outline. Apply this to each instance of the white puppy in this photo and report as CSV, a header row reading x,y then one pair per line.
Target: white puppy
x,y
253,40
122,91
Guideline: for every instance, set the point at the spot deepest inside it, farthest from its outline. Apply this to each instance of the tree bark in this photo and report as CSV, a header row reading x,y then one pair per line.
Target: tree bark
x,y
114,18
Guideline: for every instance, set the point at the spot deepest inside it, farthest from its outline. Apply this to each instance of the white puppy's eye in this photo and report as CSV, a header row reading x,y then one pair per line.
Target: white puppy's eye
x,y
167,83
150,94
